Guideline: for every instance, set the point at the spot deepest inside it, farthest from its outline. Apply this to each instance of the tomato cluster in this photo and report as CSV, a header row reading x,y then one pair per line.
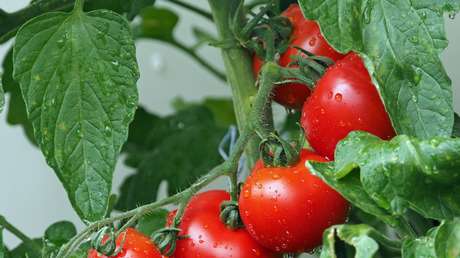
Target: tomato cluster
x,y
284,209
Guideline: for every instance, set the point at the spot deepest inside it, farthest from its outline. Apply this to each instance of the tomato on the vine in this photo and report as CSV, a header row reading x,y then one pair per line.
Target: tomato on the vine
x,y
307,35
344,100
134,245
206,236
286,209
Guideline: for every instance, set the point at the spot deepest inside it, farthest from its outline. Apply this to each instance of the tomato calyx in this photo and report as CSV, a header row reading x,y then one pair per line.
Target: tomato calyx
x,y
165,240
305,68
277,152
230,215
266,33
104,242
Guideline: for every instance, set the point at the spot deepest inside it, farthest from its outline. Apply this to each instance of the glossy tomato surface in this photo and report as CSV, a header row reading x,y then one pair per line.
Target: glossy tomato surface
x,y
287,209
208,237
344,100
136,245
305,34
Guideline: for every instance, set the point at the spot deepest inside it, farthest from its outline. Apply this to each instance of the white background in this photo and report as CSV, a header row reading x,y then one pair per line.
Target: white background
x,y
31,197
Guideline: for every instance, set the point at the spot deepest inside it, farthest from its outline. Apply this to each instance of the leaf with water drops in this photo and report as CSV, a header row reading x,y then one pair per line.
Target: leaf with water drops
x,y
401,41
404,173
78,72
419,248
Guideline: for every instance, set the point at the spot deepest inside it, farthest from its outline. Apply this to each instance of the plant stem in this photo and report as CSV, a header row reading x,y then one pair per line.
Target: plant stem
x,y
199,59
239,71
192,8
15,231
79,4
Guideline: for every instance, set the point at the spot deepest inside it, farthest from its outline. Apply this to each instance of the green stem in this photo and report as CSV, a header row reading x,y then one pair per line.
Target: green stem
x,y
391,244
199,59
15,231
239,71
192,8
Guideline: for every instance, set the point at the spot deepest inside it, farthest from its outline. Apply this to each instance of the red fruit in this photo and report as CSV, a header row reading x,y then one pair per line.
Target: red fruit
x,y
208,237
305,34
135,245
344,100
286,209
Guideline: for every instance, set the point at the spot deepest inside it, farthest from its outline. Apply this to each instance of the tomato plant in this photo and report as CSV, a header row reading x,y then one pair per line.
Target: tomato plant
x,y
306,35
287,209
133,245
381,180
344,100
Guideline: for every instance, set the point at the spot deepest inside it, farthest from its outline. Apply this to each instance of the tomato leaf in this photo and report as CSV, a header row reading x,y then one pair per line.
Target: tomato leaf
x,y
399,174
156,23
152,222
178,149
27,250
129,7
361,237
420,247
448,238
16,112
57,235
77,72
456,132
401,41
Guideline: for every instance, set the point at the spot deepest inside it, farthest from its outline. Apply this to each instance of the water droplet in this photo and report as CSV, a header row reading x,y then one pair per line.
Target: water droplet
x,y
452,15
414,99
338,97
312,41
322,111
342,123
246,193
414,39
329,95
115,62
275,176
423,15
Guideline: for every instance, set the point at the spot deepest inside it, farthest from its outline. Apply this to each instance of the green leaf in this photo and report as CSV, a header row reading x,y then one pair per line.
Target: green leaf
x,y
398,174
447,241
17,114
456,132
78,73
401,41
178,149
129,7
221,108
56,236
156,23
420,247
362,237
152,222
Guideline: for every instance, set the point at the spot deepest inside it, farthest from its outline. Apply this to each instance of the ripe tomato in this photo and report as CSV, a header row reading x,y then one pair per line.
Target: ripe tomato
x,y
135,245
305,34
287,209
208,237
344,100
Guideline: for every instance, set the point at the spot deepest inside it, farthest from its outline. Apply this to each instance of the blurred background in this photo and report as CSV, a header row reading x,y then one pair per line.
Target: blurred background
x,y
29,188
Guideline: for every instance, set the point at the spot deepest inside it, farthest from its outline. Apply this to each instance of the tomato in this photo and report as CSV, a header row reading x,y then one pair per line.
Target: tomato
x,y
286,209
136,245
208,237
305,34
344,100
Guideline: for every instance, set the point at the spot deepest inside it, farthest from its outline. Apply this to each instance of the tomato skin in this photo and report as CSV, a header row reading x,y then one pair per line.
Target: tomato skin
x,y
287,209
344,100
208,236
136,245
305,34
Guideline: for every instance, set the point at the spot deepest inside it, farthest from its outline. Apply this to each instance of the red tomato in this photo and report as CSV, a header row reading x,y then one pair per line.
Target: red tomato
x,y
344,100
305,34
136,245
208,237
286,209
